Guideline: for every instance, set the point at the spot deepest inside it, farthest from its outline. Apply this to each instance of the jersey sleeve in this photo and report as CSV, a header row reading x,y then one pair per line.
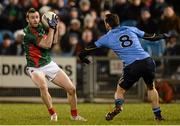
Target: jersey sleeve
x,y
103,41
138,32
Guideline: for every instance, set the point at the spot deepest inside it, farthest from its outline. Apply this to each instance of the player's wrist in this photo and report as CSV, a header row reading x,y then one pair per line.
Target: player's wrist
x,y
51,29
166,35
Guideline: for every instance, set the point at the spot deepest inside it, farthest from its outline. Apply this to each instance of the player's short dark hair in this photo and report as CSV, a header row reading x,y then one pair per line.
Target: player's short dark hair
x,y
31,10
112,20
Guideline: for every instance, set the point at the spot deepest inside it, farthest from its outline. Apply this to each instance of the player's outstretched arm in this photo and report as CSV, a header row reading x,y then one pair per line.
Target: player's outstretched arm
x,y
87,50
155,37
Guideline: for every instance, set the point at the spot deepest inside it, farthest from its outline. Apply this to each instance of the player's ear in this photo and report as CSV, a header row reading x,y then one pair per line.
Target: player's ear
x,y
27,19
108,26
105,23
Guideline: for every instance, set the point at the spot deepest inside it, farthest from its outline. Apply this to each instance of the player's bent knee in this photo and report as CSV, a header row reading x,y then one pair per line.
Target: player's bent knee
x,y
121,90
150,86
71,91
43,87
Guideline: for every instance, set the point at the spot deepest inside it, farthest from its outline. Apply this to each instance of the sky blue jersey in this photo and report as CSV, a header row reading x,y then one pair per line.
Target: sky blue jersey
x,y
125,43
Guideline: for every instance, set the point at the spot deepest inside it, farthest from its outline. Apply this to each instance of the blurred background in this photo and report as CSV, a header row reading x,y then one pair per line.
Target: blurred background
x,y
82,23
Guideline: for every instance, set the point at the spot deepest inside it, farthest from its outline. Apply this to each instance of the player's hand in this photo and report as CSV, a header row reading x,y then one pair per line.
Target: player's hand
x,y
86,60
83,58
53,22
166,35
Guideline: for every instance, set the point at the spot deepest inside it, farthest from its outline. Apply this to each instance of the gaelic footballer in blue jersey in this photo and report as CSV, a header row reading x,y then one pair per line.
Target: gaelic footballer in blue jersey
x,y
138,63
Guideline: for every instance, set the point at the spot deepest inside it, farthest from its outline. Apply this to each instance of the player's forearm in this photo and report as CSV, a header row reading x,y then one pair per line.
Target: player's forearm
x,y
47,41
87,50
55,39
154,37
83,54
56,36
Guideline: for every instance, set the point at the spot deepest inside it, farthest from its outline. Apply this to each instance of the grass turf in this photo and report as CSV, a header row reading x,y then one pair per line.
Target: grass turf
x,y
136,114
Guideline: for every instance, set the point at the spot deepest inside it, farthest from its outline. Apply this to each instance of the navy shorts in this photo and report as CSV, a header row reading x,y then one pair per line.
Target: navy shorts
x,y
144,68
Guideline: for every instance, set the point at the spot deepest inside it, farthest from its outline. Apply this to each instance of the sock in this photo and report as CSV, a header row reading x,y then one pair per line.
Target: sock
x,y
51,111
119,102
157,111
74,112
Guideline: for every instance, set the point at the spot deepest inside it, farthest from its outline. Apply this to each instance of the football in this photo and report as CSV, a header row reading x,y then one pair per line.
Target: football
x,y
44,17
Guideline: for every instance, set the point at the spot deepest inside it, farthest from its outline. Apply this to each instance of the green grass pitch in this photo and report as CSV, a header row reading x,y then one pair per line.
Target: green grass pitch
x,y
135,114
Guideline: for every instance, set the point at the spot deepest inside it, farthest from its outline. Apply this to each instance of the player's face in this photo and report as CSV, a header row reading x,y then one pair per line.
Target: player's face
x,y
33,19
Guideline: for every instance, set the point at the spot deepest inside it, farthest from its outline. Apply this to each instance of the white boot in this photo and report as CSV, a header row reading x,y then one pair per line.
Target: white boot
x,y
78,118
54,117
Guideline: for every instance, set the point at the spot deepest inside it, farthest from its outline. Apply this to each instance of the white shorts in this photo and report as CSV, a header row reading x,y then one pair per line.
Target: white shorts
x,y
50,70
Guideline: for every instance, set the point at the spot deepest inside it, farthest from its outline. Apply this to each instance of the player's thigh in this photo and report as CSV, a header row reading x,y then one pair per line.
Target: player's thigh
x,y
128,79
149,73
50,70
128,83
149,79
38,77
61,79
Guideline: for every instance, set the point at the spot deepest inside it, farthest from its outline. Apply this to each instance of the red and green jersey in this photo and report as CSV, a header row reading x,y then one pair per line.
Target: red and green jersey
x,y
36,56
